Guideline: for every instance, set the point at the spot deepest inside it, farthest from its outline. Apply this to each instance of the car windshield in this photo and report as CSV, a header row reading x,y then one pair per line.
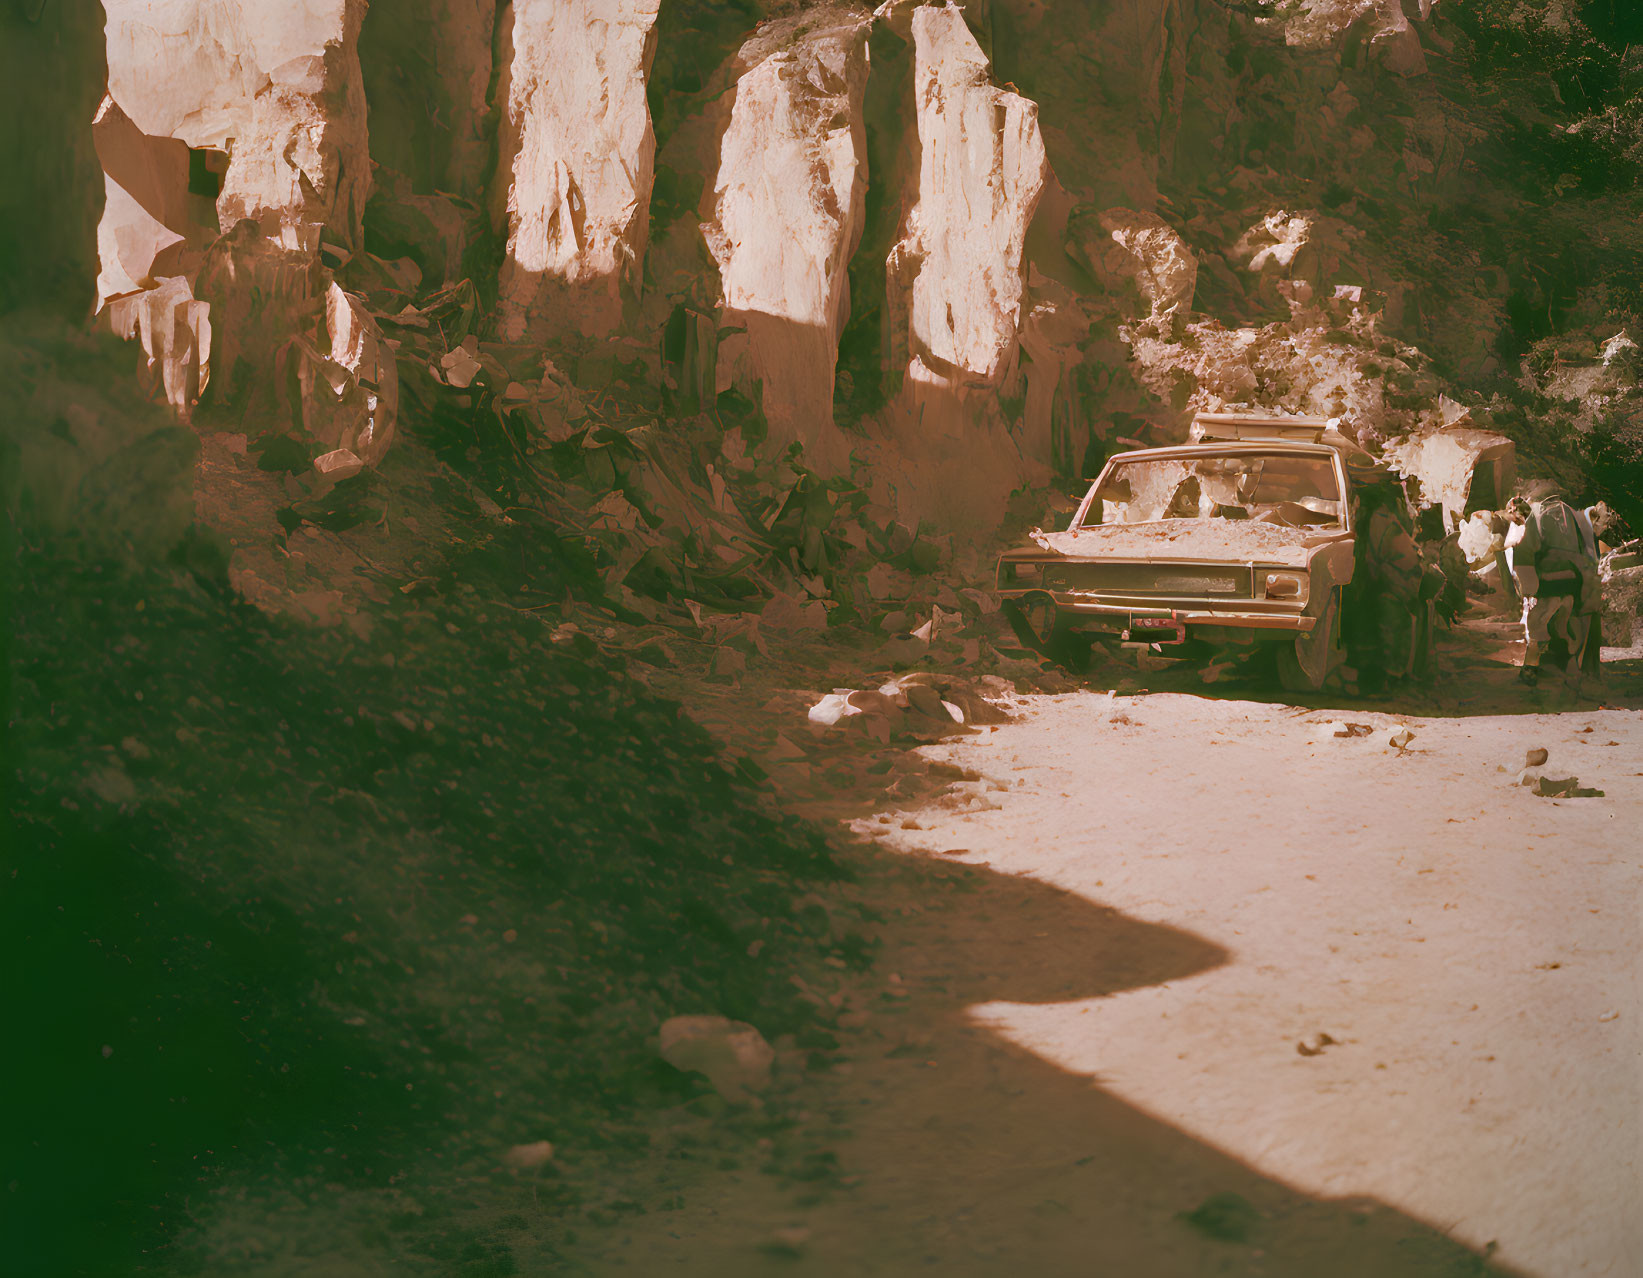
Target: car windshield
x,y
1275,488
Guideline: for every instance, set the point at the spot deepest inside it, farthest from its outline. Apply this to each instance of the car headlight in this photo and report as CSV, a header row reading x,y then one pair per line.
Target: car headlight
x,y
1285,585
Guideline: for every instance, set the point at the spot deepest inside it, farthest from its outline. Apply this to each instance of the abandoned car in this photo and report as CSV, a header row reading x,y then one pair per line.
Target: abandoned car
x,y
1240,542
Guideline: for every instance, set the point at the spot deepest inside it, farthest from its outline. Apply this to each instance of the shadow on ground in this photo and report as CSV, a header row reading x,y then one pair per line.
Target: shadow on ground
x,y
958,1153
1475,673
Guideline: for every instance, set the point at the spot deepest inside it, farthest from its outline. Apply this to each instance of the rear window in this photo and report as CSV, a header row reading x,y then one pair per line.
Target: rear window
x,y
1280,488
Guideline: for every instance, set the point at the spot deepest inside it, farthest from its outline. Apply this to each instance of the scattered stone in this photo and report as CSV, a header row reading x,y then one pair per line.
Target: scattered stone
x,y
1316,1048
1400,739
1536,758
788,1243
927,701
528,1157
831,708
731,1055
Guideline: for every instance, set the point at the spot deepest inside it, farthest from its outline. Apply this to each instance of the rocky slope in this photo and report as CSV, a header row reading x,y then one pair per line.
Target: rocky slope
x,y
946,251
716,321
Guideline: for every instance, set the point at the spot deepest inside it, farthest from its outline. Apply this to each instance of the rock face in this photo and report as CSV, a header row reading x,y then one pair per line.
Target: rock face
x,y
788,203
956,275
152,225
1379,24
246,119
49,205
427,66
280,83
576,161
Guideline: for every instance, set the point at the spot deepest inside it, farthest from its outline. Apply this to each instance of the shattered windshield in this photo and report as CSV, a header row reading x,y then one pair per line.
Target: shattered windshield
x,y
1273,488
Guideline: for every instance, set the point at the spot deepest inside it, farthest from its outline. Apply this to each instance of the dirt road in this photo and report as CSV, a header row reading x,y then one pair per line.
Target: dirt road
x,y
1375,1005
1430,994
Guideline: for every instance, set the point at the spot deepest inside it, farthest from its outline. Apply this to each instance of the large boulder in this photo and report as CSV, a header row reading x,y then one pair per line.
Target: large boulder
x,y
788,203
956,274
1458,466
576,160
348,386
1133,251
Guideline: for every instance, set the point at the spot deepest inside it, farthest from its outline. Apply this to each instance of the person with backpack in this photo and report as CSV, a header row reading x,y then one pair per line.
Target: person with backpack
x,y
1388,589
1553,555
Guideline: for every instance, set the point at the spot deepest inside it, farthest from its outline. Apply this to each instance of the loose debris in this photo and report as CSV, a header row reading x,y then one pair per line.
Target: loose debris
x,y
1319,1043
528,1157
1565,788
1341,728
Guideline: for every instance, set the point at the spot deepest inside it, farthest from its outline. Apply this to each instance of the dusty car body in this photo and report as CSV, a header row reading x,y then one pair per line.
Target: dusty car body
x,y
1243,537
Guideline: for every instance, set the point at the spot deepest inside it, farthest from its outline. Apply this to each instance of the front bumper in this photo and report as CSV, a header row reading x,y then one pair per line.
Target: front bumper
x,y
1161,621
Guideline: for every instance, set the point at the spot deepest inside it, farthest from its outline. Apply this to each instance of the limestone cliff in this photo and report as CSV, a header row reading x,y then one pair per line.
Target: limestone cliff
x,y
1014,234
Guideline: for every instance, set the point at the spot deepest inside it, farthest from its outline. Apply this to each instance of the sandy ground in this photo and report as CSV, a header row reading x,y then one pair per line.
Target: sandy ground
x,y
1470,948
1181,947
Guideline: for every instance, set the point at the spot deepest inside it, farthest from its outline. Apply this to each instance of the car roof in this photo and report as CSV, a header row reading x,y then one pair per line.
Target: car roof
x,y
1221,448
1361,467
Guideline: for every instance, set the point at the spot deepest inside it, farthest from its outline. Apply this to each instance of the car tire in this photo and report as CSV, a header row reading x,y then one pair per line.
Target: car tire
x,y
1305,664
1038,624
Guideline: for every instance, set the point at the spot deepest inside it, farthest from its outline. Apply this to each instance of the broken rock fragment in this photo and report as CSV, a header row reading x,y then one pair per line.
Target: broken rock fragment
x,y
349,384
732,1055
529,1156
1459,466
175,329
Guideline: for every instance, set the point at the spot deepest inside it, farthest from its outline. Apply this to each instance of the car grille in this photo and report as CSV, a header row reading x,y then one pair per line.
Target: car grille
x,y
1215,581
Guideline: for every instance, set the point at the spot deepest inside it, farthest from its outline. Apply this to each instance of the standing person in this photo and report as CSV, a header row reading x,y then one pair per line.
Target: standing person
x,y
1553,554
1385,590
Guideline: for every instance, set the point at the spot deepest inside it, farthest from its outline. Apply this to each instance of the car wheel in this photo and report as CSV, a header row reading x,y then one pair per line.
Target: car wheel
x,y
1038,624
1305,664
1042,620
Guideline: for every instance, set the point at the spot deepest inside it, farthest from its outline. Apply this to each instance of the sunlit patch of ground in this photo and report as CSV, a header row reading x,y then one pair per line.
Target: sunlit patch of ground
x,y
1431,990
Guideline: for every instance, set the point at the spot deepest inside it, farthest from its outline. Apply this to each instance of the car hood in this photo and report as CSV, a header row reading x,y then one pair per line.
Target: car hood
x,y
1198,540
